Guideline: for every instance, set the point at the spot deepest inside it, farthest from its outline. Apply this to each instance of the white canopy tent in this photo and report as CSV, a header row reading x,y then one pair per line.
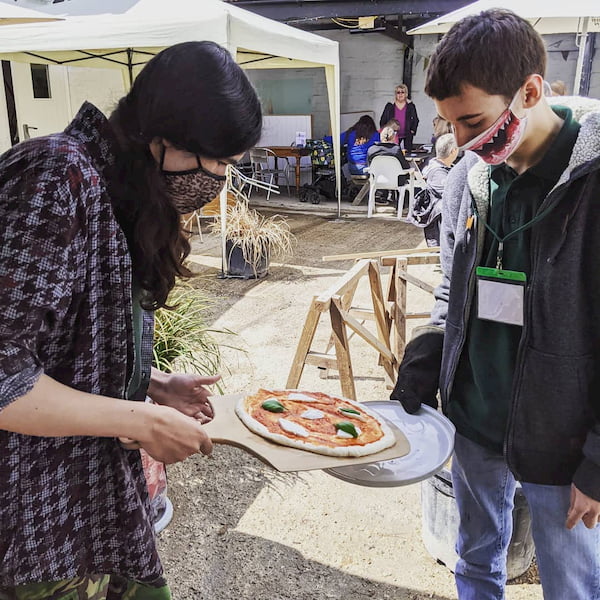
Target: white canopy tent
x,y
574,16
11,14
125,34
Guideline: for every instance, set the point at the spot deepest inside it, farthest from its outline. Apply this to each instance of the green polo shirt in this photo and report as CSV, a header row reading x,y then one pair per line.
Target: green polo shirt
x,y
481,395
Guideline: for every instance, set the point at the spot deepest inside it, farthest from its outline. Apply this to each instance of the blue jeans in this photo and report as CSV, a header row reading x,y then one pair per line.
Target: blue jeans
x,y
568,561
356,168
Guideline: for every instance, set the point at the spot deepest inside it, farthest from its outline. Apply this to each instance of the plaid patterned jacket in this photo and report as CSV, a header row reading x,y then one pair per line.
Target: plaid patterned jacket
x,y
72,505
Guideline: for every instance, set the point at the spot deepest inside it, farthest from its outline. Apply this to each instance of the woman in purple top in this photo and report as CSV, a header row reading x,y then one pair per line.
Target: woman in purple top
x,y
405,112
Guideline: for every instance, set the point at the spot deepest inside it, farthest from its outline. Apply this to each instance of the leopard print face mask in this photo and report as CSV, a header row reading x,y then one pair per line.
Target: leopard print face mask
x,y
192,189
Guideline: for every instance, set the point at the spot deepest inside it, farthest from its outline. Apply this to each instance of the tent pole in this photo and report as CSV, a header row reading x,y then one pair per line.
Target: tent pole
x,y
130,66
223,210
332,79
582,44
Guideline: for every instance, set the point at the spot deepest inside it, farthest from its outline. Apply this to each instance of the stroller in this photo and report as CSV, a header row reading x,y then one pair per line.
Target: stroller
x,y
323,173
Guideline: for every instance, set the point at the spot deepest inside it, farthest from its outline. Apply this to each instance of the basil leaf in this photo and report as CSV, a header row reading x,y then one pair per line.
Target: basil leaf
x,y
347,427
349,410
273,406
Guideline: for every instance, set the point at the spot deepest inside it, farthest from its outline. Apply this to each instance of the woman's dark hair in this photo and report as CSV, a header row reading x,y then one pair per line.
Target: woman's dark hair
x,y
495,51
195,96
364,127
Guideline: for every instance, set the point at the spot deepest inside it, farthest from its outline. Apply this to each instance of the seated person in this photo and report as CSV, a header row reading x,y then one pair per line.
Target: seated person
x,y
387,147
358,139
395,125
427,208
440,127
437,170
558,88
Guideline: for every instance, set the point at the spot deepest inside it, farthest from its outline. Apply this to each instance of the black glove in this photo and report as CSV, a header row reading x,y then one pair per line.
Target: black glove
x,y
419,372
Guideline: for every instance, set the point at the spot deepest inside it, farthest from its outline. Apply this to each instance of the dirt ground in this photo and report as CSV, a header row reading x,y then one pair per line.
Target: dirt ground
x,y
241,530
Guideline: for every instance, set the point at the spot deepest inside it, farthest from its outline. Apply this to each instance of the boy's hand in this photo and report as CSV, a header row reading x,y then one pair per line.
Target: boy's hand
x,y
419,372
582,507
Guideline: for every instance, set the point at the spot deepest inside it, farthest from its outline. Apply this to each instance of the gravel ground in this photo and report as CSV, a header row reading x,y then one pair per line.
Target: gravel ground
x,y
242,531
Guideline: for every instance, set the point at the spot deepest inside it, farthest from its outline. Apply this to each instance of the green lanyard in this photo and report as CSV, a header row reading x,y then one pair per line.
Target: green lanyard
x,y
513,233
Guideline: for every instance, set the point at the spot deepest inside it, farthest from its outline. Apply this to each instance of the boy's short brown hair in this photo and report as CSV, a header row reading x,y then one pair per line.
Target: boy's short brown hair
x,y
495,51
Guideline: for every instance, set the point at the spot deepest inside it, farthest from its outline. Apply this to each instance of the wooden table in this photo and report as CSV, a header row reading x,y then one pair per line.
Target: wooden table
x,y
296,152
415,159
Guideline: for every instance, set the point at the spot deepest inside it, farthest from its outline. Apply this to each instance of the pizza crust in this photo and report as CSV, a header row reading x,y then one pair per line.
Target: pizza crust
x,y
387,440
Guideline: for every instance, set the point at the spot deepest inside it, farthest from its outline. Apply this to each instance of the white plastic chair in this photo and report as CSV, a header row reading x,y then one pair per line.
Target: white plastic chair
x,y
260,161
383,175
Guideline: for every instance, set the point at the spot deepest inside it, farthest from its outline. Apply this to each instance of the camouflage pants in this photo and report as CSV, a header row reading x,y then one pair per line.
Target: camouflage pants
x,y
90,587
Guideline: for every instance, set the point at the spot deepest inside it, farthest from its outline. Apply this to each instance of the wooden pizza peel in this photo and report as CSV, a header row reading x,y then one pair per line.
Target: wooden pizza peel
x,y
226,428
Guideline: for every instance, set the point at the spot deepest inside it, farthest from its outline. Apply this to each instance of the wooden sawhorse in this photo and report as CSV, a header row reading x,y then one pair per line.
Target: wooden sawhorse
x,y
388,312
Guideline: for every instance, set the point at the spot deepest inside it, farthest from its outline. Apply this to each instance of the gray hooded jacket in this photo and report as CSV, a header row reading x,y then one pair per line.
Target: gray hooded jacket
x,y
553,431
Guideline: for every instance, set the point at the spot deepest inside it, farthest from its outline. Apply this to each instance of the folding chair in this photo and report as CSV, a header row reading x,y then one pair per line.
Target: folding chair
x,y
260,161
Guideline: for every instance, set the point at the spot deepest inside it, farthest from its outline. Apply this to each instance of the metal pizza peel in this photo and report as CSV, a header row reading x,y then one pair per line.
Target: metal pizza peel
x,y
431,438
226,428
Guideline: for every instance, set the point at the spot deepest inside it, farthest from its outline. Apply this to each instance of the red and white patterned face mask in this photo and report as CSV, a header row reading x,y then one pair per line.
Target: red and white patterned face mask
x,y
500,140
192,189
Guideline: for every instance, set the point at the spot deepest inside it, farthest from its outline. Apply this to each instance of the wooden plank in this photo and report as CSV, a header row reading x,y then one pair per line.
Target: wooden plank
x,y
416,281
386,358
306,338
414,259
361,194
382,253
381,317
398,292
366,335
346,302
342,350
366,314
345,283
320,359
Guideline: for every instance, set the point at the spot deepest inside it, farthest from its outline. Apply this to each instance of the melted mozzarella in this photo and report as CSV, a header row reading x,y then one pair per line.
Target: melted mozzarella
x,y
301,397
345,434
292,427
312,413
351,415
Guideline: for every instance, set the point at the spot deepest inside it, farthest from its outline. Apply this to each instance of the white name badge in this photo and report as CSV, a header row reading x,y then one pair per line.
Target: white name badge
x,y
500,295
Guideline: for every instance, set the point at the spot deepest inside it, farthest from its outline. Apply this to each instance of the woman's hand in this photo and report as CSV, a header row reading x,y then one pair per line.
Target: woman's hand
x,y
171,436
185,392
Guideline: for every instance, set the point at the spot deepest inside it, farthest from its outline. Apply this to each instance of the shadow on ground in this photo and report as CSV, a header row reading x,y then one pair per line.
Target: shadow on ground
x,y
207,559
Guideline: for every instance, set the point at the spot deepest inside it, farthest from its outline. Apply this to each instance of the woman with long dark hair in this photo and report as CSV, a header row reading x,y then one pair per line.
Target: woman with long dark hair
x,y
91,243
357,140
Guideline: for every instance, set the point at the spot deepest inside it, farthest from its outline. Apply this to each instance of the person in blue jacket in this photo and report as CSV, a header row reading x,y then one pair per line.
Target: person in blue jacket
x,y
357,140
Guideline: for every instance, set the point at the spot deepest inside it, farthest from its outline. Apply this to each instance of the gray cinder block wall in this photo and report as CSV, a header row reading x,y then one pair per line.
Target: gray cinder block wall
x,y
371,65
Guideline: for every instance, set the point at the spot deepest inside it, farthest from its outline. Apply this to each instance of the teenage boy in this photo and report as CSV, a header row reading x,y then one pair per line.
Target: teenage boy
x,y
514,340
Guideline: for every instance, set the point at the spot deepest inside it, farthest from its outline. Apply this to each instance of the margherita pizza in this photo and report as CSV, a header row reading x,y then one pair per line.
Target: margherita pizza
x,y
315,422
